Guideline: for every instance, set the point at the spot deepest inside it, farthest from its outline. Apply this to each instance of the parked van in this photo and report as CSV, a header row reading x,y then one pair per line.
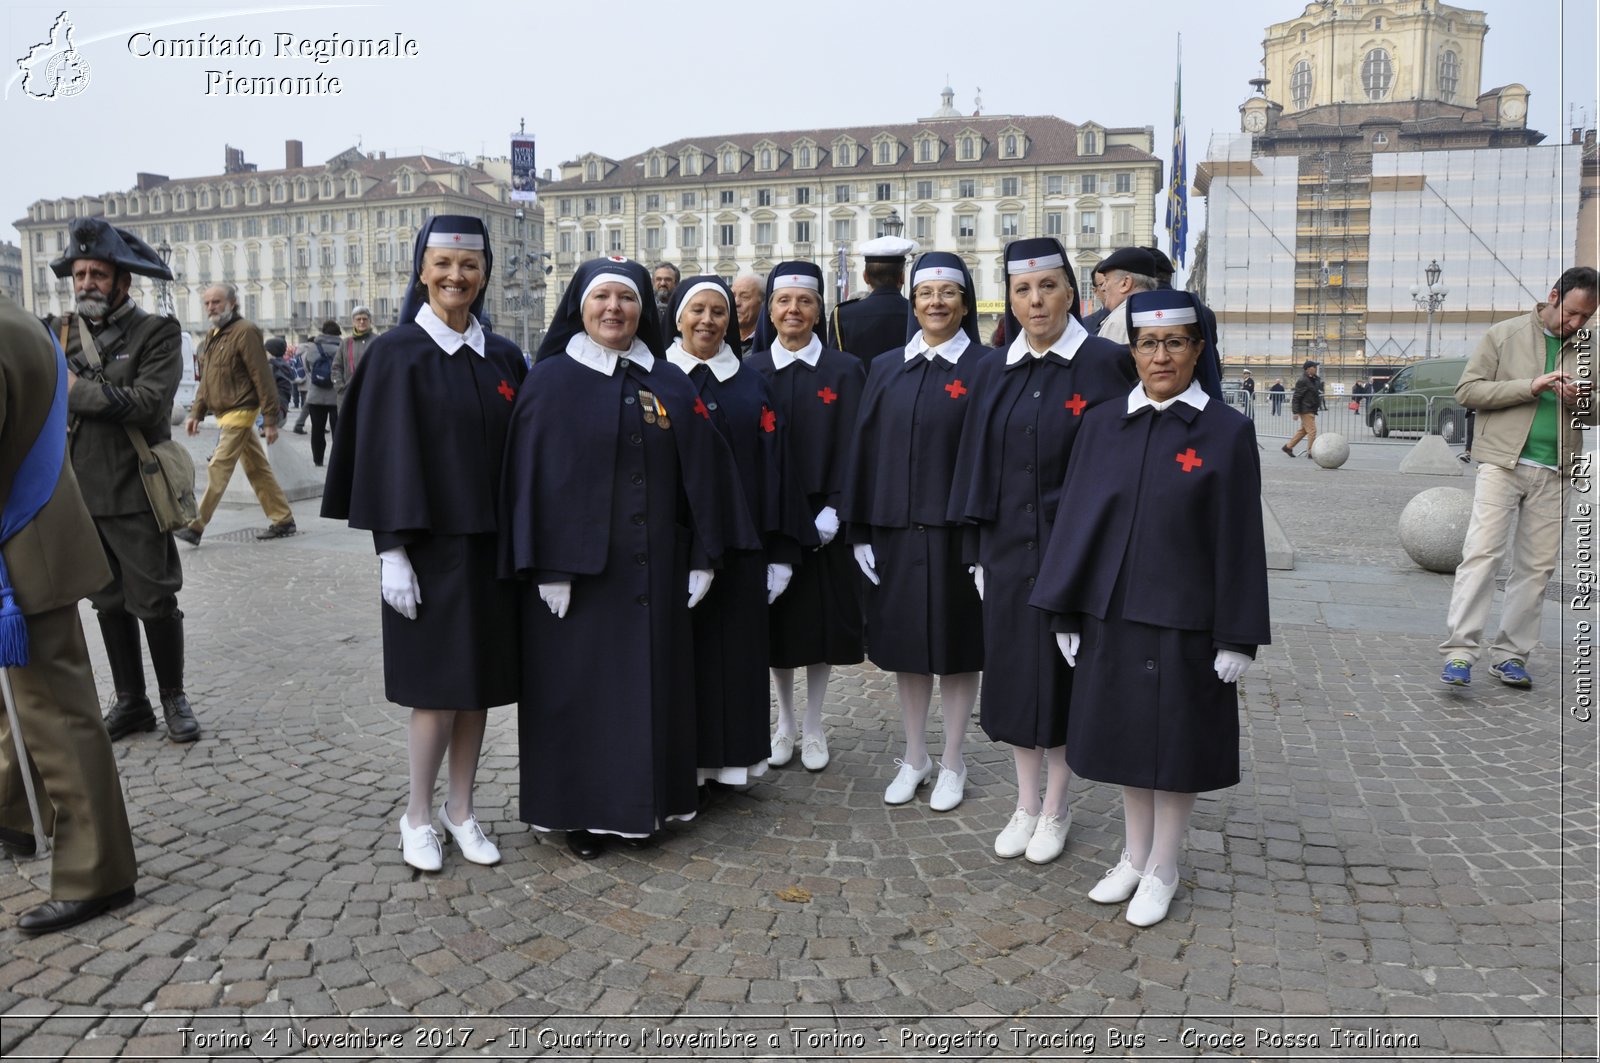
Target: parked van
x,y
1402,405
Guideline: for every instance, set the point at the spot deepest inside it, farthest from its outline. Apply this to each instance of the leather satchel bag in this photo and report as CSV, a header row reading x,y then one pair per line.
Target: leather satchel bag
x,y
166,469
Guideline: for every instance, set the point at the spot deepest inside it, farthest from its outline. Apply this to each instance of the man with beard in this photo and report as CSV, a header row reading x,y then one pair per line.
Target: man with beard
x,y
236,385
355,349
664,279
124,366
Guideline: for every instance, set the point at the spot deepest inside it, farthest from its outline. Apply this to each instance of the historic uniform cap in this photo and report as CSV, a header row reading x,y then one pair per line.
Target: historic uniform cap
x,y
888,249
1130,260
95,238
1164,306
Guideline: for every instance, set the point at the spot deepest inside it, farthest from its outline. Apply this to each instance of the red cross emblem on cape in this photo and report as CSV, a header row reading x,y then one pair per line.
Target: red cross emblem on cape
x,y
956,389
769,420
700,407
1189,460
507,390
827,395
1075,404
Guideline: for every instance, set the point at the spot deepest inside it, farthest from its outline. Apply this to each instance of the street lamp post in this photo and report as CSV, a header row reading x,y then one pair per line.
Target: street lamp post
x,y
164,303
892,225
1430,299
522,302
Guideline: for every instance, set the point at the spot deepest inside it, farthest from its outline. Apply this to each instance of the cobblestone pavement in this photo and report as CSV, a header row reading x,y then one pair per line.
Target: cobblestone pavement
x,y
1404,871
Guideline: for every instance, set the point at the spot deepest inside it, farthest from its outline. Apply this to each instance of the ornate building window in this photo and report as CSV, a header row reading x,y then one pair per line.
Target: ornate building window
x,y
1449,75
1300,84
1377,73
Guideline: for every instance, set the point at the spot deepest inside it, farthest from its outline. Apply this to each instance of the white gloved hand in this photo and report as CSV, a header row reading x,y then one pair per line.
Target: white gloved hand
x,y
827,524
778,577
399,583
1231,666
977,580
1067,643
867,560
558,596
699,583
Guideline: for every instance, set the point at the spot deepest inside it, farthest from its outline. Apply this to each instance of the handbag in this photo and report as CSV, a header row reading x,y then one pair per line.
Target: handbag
x,y
166,469
1354,405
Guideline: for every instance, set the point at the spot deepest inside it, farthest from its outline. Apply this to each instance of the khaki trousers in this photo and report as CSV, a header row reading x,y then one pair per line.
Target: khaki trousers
x,y
241,446
1530,498
74,770
1308,431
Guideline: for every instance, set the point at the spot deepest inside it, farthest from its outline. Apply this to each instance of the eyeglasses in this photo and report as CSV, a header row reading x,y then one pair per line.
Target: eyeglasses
x,y
927,294
1174,345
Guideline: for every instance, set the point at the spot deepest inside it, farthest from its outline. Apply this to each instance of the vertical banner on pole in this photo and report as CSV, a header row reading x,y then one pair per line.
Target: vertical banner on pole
x,y
524,178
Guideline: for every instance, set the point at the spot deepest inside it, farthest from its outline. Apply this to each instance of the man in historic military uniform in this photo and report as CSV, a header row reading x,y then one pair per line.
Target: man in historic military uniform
x,y
875,322
52,556
124,366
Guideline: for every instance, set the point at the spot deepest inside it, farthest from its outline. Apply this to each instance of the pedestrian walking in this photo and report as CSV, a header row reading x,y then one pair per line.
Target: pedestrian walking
x,y
1306,403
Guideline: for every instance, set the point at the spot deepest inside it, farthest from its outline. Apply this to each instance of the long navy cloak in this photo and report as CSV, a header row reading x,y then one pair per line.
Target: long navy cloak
x,y
818,619
1162,564
1013,456
730,625
416,460
623,508
924,615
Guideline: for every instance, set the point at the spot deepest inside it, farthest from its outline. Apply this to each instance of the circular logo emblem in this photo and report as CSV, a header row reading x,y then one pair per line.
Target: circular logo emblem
x,y
67,74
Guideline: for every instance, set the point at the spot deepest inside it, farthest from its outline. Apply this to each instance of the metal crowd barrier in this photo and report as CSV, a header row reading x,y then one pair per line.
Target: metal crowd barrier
x,y
1378,418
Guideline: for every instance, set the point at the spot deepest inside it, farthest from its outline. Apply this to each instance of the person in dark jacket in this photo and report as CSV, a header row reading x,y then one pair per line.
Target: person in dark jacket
x,y
1157,589
875,322
1306,403
282,369
1277,393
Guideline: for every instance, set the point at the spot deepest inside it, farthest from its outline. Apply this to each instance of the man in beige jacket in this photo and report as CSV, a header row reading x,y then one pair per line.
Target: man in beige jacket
x,y
1531,381
236,383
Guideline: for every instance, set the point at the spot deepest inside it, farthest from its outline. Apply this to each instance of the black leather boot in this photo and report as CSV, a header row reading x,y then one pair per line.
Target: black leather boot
x,y
132,711
166,653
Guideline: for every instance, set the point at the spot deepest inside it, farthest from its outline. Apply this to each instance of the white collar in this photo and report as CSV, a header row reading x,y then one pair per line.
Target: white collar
x,y
723,364
1194,395
603,360
949,350
810,354
448,339
1066,346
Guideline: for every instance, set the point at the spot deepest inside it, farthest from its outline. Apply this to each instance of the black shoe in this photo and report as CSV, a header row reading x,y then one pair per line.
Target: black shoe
x,y
181,724
190,535
1287,450
278,531
132,712
1465,457
584,845
299,431
58,915
16,843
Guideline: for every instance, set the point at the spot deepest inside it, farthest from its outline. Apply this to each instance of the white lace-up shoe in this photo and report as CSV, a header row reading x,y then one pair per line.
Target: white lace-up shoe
x,y
1118,884
470,837
814,752
1049,838
949,790
1013,841
1150,902
782,750
907,782
420,846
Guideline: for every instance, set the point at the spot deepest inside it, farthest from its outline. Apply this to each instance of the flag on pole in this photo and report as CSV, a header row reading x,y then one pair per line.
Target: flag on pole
x,y
842,278
1178,187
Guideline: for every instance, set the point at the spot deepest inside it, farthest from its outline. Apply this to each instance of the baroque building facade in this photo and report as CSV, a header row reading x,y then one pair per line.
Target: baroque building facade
x,y
725,202
302,243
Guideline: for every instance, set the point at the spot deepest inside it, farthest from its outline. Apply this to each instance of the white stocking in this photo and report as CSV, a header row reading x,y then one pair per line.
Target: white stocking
x,y
816,693
915,691
1139,818
466,743
1057,778
957,695
1172,827
427,737
1030,765
783,688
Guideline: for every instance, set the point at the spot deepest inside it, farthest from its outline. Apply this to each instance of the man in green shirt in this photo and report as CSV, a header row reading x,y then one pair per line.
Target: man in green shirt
x,y
1531,381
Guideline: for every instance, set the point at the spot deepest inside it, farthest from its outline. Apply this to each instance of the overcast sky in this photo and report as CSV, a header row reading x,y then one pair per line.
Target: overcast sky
x,y
618,78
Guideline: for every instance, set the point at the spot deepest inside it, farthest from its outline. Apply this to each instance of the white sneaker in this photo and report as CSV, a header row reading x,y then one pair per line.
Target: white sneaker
x,y
420,846
1049,838
949,790
1150,903
1118,884
1013,841
907,782
782,750
814,752
470,837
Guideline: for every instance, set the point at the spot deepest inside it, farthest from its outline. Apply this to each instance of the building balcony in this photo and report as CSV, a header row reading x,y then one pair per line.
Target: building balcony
x,y
966,243
763,250
727,250
1088,240
803,250
566,258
